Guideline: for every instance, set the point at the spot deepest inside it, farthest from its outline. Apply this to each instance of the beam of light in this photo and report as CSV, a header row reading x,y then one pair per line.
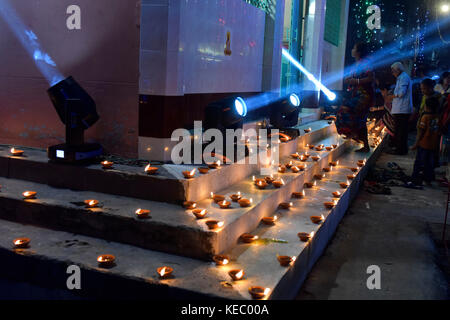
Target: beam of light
x,y
389,54
330,95
30,42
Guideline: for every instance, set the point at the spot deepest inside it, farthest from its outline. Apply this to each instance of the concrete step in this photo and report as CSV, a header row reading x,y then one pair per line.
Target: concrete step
x,y
167,185
134,274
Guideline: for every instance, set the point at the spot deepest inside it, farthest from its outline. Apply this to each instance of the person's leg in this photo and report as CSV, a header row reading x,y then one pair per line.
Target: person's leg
x,y
402,128
418,165
428,166
363,137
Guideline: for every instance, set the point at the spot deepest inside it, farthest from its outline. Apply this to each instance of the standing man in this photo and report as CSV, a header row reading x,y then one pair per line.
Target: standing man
x,y
402,108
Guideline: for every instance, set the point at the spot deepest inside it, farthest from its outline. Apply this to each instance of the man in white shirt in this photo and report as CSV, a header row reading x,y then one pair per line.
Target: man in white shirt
x,y
402,108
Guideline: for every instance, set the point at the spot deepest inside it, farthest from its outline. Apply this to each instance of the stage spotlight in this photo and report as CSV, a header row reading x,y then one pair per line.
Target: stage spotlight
x,y
225,114
77,110
445,8
285,111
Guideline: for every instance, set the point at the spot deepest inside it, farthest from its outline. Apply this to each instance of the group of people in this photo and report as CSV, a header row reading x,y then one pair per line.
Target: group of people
x,y
432,114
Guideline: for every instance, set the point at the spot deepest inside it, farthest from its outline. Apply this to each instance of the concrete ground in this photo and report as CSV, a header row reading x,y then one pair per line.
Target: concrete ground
x,y
400,233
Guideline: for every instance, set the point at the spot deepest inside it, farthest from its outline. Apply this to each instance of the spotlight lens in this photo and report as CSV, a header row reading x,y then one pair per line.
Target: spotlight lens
x,y
295,100
241,107
445,8
331,96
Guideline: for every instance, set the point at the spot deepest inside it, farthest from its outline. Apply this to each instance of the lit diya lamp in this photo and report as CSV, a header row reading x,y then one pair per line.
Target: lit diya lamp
x,y
307,155
248,238
236,274
336,194
281,169
91,203
344,185
106,260
214,165
286,205
329,148
330,205
298,195
319,148
278,183
304,236
217,197
310,146
221,260
307,130
29,195
164,272
142,214
309,185
334,163
319,176
261,184
199,213
270,221
295,169
236,197
301,167
244,203
351,176
317,219
189,205
295,155
289,165
258,292
361,163
21,243
270,179
224,204
354,169
303,158
326,169
203,170
285,261
107,164
335,146
150,170
214,224
315,158
189,174
16,152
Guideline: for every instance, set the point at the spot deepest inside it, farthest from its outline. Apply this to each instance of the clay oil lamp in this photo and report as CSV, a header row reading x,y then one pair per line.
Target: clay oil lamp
x,y
307,155
330,205
285,261
214,165
295,169
164,272
258,292
334,163
142,214
236,274
269,179
335,146
217,197
360,164
214,224
336,194
236,197
189,174
16,152
351,176
354,169
329,148
21,243
295,156
91,203
269,221
286,205
307,130
150,170
281,169
310,146
199,213
319,176
326,169
248,238
344,185
221,260
317,219
106,260
107,164
244,203
304,236
29,195
203,170
315,158
189,205
309,185
224,204
278,183
289,165
301,167
303,158
298,195
319,148
261,184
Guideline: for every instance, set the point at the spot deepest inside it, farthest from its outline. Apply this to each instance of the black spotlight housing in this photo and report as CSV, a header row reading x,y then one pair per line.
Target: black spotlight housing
x,y
77,110
225,114
284,112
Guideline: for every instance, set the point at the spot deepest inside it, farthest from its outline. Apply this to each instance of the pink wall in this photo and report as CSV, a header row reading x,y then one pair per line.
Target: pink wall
x,y
103,57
